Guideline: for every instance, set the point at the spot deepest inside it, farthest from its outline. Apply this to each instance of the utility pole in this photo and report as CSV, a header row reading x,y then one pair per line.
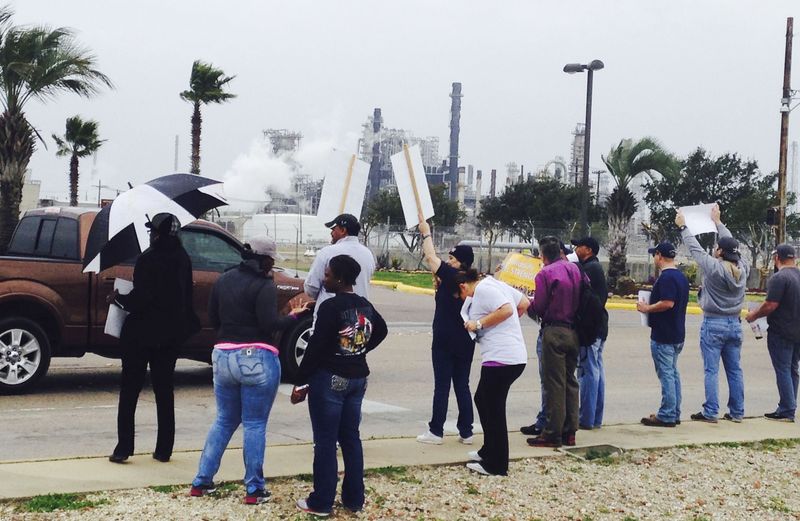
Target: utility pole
x,y
786,101
99,186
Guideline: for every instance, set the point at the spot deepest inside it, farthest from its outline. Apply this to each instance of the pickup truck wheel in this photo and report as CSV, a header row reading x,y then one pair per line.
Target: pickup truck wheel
x,y
24,354
294,344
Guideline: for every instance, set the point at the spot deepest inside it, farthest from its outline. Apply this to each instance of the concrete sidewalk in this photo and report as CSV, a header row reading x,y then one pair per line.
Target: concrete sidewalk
x,y
32,478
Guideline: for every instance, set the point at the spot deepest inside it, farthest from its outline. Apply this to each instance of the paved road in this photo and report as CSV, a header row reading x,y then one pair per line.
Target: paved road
x,y
74,412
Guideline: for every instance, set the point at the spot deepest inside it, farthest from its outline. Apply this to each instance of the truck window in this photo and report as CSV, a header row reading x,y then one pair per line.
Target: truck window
x,y
46,237
209,252
24,240
65,240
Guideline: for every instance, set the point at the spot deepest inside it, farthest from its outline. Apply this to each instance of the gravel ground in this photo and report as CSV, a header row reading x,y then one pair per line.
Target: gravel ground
x,y
758,481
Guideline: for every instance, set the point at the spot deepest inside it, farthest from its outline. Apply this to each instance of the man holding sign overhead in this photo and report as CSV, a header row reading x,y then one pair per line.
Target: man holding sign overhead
x,y
721,299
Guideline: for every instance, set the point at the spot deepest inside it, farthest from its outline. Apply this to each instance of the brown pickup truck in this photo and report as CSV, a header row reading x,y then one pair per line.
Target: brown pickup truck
x,y
49,308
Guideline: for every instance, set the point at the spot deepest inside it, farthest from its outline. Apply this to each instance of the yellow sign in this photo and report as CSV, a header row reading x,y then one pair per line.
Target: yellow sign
x,y
519,270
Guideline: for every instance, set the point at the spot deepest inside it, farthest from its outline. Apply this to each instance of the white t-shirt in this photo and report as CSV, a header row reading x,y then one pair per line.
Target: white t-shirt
x,y
503,342
510,291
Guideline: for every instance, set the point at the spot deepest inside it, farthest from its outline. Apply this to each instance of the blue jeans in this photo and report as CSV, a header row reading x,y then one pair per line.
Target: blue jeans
x,y
665,359
446,368
721,337
541,418
245,383
592,381
334,404
785,357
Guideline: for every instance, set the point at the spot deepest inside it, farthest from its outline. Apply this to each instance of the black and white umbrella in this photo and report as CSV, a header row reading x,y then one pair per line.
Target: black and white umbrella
x,y
119,232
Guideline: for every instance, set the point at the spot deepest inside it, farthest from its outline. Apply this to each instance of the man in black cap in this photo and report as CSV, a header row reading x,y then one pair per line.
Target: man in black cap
x,y
721,299
782,309
344,241
161,318
591,374
667,320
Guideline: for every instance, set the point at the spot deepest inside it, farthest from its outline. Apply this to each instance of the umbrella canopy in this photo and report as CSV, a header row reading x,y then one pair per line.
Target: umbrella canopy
x,y
119,232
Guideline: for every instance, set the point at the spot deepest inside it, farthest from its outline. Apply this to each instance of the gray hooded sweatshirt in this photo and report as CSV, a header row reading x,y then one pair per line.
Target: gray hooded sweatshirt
x,y
723,291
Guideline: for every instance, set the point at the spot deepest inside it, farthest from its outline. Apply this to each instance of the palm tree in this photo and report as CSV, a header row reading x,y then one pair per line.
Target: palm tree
x,y
205,86
35,63
79,141
625,162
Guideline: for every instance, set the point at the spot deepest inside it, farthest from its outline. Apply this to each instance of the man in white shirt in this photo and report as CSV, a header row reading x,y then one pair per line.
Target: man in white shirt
x,y
344,241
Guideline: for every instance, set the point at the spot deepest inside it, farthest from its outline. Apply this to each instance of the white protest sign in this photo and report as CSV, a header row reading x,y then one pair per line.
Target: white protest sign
x,y
116,315
644,296
344,187
698,218
412,186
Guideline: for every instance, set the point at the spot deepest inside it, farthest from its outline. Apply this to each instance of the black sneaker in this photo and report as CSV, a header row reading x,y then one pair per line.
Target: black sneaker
x,y
202,490
734,419
257,497
778,417
700,417
530,430
654,421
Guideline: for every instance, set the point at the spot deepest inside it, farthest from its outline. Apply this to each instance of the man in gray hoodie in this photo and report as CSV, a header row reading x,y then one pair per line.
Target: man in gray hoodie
x,y
721,298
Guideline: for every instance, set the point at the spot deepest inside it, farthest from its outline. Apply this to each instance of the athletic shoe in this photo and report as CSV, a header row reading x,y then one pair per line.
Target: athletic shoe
x,y
779,417
202,490
474,456
541,441
530,430
302,504
734,419
585,427
431,438
700,417
653,421
465,441
477,467
257,497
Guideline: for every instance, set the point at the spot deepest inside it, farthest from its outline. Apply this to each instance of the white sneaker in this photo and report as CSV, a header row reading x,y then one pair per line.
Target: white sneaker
x,y
429,437
474,456
465,441
477,467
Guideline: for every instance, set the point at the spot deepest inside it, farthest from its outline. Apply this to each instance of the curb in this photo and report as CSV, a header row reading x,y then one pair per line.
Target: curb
x,y
623,306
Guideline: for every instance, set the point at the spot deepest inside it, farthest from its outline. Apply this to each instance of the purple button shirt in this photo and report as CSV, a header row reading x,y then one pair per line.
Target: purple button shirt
x,y
556,296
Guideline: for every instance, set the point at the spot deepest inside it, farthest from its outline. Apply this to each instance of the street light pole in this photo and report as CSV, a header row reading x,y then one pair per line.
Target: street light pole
x,y
785,109
571,68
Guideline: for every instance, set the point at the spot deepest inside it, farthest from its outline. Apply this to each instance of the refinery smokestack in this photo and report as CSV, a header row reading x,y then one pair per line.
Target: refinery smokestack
x,y
493,184
455,118
375,165
478,193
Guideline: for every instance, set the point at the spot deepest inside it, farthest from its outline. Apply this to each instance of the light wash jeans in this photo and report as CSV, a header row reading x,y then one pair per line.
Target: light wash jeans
x,y
785,357
721,337
245,384
592,381
665,359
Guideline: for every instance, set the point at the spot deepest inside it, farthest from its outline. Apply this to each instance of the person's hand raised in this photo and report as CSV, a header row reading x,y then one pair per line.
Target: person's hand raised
x,y
680,220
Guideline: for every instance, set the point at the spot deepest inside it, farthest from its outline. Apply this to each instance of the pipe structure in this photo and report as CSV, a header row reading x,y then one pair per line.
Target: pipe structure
x,y
455,119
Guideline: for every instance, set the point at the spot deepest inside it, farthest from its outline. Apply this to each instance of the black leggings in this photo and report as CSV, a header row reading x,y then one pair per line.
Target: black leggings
x,y
490,400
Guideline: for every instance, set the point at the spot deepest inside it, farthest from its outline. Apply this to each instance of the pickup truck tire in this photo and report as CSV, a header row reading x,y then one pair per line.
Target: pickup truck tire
x,y
24,354
293,346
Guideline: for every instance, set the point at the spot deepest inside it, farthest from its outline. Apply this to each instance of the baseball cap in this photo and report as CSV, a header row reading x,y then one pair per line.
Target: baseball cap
x,y
164,223
463,254
346,221
589,242
784,251
730,248
566,250
264,246
666,249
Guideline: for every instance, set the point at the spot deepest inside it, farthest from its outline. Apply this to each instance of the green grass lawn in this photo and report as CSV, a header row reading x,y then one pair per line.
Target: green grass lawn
x,y
419,280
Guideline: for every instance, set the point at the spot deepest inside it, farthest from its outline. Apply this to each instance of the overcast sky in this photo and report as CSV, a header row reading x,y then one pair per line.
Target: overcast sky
x,y
690,73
